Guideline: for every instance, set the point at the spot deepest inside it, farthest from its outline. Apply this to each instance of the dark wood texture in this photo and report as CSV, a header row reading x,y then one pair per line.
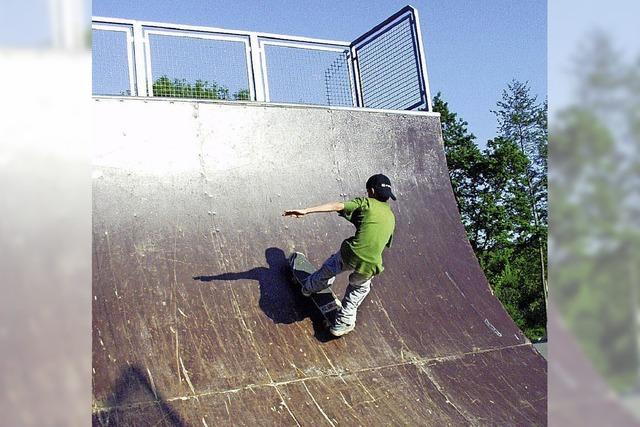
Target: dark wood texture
x,y
195,321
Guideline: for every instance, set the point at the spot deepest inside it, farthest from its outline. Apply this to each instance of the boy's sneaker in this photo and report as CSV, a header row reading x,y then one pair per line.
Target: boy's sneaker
x,y
339,329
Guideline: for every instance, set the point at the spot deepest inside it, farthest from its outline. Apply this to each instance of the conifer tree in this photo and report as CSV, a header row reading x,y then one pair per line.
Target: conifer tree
x,y
523,120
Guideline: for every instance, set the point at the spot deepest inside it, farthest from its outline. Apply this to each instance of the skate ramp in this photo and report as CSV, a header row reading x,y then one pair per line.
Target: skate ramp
x,y
184,189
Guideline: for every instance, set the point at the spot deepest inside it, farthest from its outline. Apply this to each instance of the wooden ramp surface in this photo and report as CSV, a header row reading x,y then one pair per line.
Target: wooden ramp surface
x,y
185,189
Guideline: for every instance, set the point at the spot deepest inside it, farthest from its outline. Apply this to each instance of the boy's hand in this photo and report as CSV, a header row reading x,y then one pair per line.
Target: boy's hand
x,y
295,213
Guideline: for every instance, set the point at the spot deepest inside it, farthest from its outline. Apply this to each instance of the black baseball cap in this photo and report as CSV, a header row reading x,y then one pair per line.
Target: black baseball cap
x,y
381,184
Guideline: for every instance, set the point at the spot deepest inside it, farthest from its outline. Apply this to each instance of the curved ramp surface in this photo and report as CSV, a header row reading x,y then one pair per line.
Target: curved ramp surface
x,y
195,321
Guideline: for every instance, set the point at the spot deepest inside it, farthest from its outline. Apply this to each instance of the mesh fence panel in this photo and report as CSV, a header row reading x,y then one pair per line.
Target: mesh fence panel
x,y
189,67
307,76
389,69
193,62
110,72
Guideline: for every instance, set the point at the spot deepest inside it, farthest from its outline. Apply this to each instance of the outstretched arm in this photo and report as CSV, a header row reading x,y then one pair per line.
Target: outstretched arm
x,y
327,207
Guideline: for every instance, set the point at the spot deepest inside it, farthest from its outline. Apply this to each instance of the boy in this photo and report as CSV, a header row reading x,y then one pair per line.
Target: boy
x,y
361,254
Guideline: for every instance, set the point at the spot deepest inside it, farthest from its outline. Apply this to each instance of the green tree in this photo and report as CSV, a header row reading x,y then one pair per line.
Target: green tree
x,y
201,89
509,254
492,194
523,120
465,164
242,95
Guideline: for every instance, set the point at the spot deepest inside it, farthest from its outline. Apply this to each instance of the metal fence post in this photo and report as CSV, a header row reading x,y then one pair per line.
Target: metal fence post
x,y
423,61
255,68
139,56
357,84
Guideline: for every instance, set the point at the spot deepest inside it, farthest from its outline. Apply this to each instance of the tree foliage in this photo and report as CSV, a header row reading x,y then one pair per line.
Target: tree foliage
x,y
465,163
201,89
523,120
491,187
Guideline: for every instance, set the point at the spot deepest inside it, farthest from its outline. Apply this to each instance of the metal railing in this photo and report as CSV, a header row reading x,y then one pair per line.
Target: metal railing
x,y
384,68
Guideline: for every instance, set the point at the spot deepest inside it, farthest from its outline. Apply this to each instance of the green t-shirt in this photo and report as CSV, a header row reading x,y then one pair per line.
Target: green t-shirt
x,y
375,224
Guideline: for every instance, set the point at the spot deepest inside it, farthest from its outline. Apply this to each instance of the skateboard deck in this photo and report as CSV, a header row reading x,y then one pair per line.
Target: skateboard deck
x,y
325,300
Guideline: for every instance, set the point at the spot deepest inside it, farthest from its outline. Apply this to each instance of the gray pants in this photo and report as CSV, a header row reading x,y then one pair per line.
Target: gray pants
x,y
358,288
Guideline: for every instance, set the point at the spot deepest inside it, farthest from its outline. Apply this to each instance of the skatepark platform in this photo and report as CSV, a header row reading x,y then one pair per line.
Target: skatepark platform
x,y
185,189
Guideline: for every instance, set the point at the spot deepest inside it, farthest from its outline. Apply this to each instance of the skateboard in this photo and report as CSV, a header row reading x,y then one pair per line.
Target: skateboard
x,y
325,300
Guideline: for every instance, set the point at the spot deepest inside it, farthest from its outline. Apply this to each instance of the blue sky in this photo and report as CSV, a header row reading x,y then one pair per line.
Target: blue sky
x,y
473,48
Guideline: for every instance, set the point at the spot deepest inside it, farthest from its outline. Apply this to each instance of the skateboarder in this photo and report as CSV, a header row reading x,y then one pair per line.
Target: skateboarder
x,y
361,254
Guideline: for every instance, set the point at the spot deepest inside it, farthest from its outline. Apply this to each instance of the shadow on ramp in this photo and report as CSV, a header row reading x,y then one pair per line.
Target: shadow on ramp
x,y
280,299
133,388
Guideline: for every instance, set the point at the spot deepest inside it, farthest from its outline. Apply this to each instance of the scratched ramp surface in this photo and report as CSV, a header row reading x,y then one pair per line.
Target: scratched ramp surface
x,y
195,321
